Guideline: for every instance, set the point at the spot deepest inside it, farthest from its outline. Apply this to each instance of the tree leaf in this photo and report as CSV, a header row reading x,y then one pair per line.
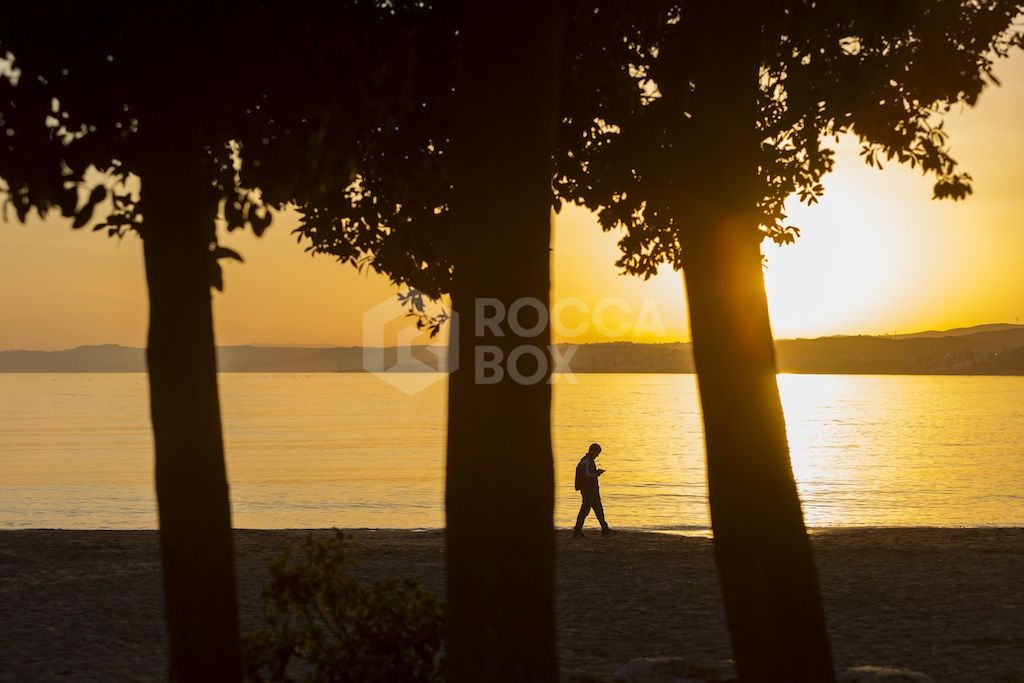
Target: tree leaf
x,y
223,252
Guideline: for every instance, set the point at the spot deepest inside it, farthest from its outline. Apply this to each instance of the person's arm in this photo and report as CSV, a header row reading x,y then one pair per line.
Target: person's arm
x,y
591,470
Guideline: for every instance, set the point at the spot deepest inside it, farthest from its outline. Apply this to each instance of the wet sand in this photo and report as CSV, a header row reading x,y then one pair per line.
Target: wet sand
x,y
86,605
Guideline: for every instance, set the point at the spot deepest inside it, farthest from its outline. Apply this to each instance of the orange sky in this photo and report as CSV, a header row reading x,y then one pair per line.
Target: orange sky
x,y
876,256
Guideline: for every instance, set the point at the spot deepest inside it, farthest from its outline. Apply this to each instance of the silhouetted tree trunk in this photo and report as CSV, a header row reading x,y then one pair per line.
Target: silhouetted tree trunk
x,y
769,581
500,485
192,491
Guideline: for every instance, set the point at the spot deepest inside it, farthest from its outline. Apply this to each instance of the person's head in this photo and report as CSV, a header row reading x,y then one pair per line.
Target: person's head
x,y
595,450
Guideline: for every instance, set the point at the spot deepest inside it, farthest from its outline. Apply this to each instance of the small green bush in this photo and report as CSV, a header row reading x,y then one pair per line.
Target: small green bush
x,y
321,626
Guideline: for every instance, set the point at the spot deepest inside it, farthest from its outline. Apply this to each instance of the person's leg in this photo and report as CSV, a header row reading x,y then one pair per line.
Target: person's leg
x,y
599,511
582,516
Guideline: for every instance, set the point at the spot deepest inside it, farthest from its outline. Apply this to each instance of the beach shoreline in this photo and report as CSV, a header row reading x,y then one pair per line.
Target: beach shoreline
x,y
86,605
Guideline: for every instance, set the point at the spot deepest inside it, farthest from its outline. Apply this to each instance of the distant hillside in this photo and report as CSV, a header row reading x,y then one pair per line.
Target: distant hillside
x,y
628,357
113,358
105,358
993,350
961,331
982,350
985,352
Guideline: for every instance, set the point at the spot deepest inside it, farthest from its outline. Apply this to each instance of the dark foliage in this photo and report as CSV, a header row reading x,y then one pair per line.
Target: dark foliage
x,y
320,621
338,110
883,70
295,113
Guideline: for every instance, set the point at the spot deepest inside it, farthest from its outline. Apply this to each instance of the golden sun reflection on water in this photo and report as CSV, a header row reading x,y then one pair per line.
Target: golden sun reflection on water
x,y
907,450
350,450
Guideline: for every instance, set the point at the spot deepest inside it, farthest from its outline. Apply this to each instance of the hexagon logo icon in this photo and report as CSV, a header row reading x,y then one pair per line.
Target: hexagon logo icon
x,y
390,351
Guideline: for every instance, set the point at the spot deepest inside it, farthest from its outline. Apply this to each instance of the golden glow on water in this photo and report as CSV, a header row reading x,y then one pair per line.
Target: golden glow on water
x,y
902,450
349,450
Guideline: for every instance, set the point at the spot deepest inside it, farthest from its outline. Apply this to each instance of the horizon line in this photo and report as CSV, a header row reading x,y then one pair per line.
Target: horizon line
x,y
266,345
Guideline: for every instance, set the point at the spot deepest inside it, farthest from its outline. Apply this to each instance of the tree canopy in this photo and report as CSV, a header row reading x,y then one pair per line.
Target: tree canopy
x,y
336,110
884,71
293,113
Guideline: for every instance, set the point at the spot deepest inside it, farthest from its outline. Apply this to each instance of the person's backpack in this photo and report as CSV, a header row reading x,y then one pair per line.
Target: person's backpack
x,y
581,476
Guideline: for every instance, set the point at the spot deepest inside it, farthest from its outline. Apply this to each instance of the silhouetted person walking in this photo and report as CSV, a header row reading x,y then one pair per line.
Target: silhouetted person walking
x,y
587,484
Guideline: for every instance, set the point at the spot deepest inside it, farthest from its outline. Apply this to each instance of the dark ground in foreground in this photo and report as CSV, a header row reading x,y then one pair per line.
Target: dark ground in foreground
x,y
86,605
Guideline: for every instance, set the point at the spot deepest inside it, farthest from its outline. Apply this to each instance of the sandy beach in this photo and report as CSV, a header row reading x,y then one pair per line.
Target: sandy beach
x,y
86,605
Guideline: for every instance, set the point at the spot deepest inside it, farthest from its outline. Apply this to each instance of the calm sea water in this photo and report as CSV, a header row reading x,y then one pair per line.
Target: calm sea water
x,y
348,450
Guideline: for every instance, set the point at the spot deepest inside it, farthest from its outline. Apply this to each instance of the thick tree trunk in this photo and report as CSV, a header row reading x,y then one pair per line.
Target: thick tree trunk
x,y
500,486
769,582
192,491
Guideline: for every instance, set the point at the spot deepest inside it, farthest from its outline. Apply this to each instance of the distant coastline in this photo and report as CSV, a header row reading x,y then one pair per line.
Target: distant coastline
x,y
996,349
